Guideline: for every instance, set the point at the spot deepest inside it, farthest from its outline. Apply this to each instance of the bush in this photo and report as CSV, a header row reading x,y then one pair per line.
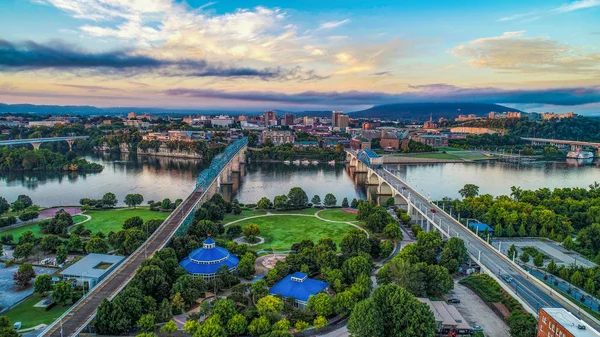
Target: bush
x,y
29,216
485,286
11,220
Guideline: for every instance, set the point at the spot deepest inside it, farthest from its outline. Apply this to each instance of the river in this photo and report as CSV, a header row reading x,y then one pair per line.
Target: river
x,y
158,177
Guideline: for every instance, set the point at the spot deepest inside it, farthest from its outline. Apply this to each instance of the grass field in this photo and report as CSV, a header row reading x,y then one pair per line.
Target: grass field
x,y
337,215
34,227
112,220
31,316
280,232
245,213
441,156
309,211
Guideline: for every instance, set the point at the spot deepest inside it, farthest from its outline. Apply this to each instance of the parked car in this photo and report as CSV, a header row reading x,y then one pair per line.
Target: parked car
x,y
454,300
508,279
477,328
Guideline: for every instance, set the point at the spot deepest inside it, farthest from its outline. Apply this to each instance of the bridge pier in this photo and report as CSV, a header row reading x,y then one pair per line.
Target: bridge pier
x,y
70,142
36,145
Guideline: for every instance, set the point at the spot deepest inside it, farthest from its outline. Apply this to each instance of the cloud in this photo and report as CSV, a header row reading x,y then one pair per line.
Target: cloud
x,y
515,52
88,88
333,24
423,93
577,5
30,55
522,16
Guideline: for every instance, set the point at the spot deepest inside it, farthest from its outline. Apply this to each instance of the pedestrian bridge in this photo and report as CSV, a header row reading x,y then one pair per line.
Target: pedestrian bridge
x,y
532,293
36,142
79,316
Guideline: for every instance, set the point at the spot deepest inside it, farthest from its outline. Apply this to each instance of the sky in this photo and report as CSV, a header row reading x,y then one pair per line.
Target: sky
x,y
534,55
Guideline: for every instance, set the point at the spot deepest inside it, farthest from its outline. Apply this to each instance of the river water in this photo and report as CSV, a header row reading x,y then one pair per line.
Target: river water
x,y
158,177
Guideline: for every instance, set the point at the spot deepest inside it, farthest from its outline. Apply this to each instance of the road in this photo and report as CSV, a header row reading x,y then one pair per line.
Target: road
x,y
522,283
85,310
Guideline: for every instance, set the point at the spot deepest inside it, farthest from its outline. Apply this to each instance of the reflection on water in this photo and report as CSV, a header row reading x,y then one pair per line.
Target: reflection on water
x,y
496,178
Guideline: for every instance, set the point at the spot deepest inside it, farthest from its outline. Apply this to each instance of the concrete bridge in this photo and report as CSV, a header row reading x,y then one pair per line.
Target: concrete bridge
x,y
532,293
79,316
36,142
574,144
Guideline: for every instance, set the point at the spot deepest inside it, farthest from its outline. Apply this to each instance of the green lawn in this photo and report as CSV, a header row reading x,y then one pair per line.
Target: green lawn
x,y
31,316
337,215
245,213
441,156
280,232
34,227
112,220
309,211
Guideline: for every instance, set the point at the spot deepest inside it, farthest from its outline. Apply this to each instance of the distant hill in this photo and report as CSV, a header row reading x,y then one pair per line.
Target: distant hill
x,y
92,110
422,111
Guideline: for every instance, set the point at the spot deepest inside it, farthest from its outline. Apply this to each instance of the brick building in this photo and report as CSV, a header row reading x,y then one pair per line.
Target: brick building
x,y
558,322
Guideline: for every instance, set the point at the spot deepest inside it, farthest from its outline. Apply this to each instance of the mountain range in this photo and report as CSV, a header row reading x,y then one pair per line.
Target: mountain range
x,y
423,111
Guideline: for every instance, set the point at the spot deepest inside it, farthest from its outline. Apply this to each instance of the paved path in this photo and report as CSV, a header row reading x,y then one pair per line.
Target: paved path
x,y
87,218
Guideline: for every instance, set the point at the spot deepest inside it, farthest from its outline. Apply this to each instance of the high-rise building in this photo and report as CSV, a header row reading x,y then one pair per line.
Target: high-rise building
x,y
343,122
308,121
288,119
270,117
335,118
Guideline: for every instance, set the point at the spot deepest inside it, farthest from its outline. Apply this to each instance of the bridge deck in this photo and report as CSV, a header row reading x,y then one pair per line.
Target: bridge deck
x,y
86,309
39,140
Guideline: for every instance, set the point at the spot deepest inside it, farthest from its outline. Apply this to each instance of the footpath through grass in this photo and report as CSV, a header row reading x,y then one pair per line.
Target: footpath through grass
x,y
281,231
34,227
31,316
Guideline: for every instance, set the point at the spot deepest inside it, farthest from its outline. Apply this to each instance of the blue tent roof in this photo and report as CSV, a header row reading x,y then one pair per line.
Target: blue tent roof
x,y
480,226
209,241
298,286
207,260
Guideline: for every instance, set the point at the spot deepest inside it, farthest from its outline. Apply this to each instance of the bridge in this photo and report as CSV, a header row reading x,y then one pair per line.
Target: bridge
x,y
79,316
531,292
36,142
574,144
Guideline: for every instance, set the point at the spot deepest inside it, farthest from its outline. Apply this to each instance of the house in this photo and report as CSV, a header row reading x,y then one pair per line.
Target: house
x,y
359,142
91,269
299,287
449,321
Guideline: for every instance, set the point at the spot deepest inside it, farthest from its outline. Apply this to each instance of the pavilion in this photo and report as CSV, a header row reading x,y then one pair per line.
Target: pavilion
x,y
205,261
299,287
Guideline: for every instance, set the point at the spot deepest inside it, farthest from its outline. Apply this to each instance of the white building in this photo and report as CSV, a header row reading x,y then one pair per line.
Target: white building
x,y
221,121
91,269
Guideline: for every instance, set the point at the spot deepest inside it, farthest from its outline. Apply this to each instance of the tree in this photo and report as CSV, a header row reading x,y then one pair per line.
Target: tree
x,y
524,257
390,202
74,244
469,191
59,224
225,308
391,311
259,326
251,231
355,266
297,198
512,252
568,242
43,284
264,203
320,322
301,326
321,304
246,265
237,325
393,231
132,200
522,325
281,325
280,201
269,305
61,254
169,327
109,200
316,200
18,206
146,323
133,222
234,231
191,326
354,203
355,242
26,200
97,245
6,329
63,293
577,279
330,200
4,206
538,260
177,304
49,243
191,288
386,249
23,251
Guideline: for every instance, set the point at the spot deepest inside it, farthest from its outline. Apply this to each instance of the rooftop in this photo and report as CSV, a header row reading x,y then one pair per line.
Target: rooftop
x,y
93,265
299,286
568,321
446,314
208,259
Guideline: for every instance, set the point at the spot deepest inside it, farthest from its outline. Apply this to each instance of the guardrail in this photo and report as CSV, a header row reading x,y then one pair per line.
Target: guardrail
x,y
539,284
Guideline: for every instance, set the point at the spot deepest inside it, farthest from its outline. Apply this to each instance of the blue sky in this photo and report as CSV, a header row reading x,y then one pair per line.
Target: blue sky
x,y
534,55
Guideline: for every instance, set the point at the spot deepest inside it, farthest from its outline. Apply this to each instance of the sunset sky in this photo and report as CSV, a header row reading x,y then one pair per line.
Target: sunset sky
x,y
536,55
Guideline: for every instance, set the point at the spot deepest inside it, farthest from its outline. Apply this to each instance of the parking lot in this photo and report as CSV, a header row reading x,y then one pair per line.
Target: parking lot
x,y
560,255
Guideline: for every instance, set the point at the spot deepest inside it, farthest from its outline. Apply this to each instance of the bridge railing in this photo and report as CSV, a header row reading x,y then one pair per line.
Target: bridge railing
x,y
219,162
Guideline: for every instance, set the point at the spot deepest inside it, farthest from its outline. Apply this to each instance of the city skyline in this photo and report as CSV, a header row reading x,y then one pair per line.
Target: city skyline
x,y
534,56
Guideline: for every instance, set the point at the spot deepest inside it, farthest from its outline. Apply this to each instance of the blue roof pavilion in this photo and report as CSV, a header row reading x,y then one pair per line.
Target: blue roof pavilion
x,y
298,286
481,227
205,261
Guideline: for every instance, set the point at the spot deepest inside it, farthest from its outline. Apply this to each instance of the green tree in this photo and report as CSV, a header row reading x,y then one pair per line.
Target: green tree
x,y
316,200
259,326
522,231
568,242
355,242
23,251
390,202
280,201
63,293
109,200
4,206
132,200
225,308
212,327
169,327
538,260
386,249
234,231
321,304
49,243
237,325
345,203
330,200
512,252
281,325
393,231
301,326
355,266
146,323
264,203
577,279
43,284
251,231
97,245
246,265
522,325
320,322
177,304
133,222
75,244
469,191
61,254
524,257
297,198
191,326
590,286
269,305
18,207
191,288
354,203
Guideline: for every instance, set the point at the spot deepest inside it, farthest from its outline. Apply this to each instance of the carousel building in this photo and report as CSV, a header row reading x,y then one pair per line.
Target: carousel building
x,y
205,261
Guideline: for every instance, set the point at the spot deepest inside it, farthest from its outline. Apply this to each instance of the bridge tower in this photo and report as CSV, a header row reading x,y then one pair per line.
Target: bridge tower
x,y
70,142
